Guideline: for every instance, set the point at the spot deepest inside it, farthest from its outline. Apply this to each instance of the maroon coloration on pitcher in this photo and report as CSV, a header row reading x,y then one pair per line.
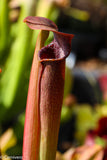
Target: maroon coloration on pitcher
x,y
45,92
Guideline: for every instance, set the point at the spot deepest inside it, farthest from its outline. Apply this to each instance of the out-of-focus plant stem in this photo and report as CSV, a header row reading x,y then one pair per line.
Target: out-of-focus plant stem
x,y
17,61
48,9
4,26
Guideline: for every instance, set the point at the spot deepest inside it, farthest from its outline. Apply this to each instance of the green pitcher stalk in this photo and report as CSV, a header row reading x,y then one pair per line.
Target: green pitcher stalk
x,y
45,94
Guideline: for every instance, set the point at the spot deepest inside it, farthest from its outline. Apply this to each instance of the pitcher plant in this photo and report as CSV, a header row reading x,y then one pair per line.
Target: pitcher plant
x,y
45,93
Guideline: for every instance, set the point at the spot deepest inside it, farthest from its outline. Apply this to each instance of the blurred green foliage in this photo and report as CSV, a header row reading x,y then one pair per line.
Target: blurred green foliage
x,y
17,44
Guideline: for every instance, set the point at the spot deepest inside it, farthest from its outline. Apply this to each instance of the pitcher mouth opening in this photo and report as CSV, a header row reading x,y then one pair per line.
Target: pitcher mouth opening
x,y
51,52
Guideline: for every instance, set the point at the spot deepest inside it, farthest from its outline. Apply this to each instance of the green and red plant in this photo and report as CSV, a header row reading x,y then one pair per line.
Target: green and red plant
x,y
45,94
